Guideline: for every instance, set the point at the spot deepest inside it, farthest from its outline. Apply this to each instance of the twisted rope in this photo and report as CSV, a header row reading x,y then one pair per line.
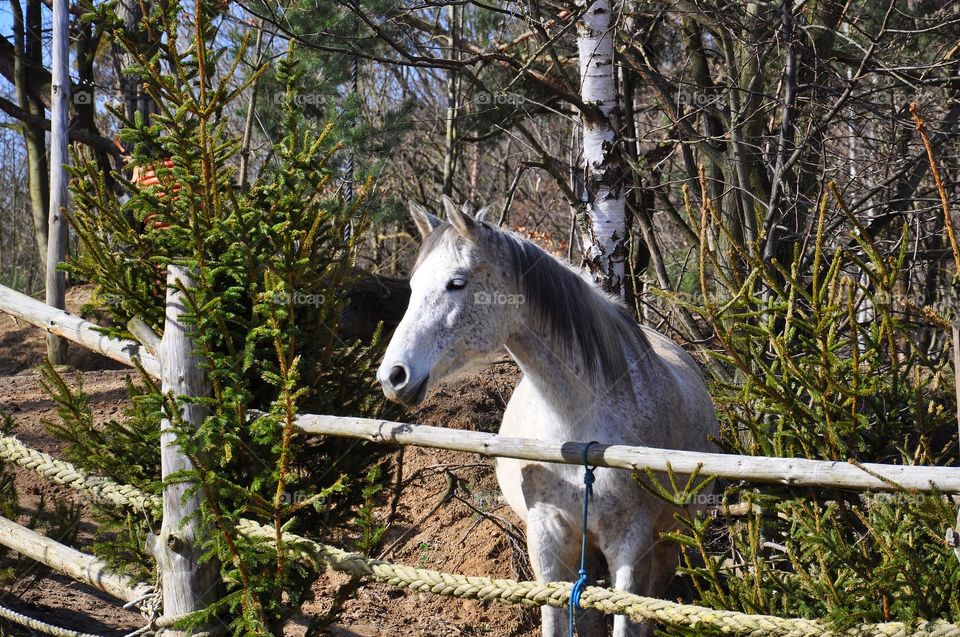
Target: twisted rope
x,y
14,451
36,624
156,623
150,606
505,591
606,600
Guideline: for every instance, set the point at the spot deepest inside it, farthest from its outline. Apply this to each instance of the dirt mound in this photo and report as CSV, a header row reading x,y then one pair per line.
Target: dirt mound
x,y
452,518
475,403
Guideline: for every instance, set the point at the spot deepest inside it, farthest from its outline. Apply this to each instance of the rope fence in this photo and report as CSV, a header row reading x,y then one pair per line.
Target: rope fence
x,y
487,589
39,626
62,472
506,591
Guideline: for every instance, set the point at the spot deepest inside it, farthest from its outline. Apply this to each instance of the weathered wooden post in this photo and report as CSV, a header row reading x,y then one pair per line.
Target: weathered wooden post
x,y
56,282
188,584
955,333
953,534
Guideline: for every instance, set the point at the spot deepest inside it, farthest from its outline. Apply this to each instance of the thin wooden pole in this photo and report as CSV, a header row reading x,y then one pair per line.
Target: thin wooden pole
x,y
189,584
953,534
789,471
956,368
56,282
63,559
251,110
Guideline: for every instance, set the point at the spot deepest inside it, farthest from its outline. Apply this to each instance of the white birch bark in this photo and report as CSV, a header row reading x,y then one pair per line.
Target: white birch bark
x,y
604,226
57,228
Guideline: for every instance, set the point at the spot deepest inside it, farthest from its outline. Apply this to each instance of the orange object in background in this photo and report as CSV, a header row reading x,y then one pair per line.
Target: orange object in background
x,y
147,177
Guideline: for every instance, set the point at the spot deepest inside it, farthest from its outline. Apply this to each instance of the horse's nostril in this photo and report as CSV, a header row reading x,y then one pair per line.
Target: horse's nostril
x,y
398,376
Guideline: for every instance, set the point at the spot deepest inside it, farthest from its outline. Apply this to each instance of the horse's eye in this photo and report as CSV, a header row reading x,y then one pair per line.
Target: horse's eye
x,y
457,283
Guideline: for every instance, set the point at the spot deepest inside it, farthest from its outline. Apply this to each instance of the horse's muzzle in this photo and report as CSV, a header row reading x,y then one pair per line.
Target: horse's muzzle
x,y
399,387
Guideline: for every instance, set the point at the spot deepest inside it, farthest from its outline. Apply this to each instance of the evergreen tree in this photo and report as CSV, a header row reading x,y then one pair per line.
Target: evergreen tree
x,y
799,372
271,262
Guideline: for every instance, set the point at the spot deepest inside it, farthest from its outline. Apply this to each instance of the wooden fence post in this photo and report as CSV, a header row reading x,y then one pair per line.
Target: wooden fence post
x,y
56,282
953,534
188,584
955,333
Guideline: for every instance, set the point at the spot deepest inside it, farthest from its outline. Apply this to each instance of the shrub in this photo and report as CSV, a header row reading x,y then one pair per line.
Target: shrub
x,y
821,357
270,264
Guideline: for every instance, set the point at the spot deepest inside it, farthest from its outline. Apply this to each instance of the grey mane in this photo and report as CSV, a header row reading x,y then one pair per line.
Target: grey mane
x,y
578,316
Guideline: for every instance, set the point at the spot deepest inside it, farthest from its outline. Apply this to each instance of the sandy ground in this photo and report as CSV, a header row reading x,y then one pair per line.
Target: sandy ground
x,y
472,532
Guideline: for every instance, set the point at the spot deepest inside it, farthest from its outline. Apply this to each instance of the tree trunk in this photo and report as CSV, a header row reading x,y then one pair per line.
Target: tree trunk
x,y
450,139
603,220
59,116
28,52
704,90
39,187
248,119
135,100
636,198
84,107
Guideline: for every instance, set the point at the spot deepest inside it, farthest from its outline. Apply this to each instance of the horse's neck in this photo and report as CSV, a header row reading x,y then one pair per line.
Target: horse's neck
x,y
561,380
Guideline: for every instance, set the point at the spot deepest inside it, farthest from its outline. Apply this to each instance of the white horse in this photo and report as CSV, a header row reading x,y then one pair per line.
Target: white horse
x,y
589,373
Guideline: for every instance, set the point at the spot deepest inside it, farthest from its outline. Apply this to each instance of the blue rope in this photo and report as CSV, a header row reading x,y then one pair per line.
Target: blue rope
x,y
581,583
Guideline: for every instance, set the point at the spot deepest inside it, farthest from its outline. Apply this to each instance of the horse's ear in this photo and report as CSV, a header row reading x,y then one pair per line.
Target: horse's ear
x,y
422,218
465,225
483,215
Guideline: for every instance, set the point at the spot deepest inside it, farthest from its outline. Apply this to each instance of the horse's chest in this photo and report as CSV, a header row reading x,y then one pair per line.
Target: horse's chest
x,y
560,489
530,414
527,484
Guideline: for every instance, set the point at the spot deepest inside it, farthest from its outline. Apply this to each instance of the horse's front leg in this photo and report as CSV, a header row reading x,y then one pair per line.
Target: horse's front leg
x,y
643,566
554,551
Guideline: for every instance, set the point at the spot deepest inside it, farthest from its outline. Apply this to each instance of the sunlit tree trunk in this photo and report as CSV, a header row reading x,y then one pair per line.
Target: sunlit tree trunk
x,y
603,222
59,121
135,100
453,99
28,52
251,107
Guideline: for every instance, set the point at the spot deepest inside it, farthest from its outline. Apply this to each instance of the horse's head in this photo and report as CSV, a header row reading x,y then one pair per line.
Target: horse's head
x,y
463,304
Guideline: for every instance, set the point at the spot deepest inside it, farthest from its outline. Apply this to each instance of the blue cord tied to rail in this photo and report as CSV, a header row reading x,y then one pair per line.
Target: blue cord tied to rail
x,y
581,583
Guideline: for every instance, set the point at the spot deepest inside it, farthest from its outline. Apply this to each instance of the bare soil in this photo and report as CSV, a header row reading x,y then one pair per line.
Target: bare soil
x,y
450,515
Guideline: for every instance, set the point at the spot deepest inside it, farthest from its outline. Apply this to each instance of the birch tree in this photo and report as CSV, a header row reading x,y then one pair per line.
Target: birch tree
x,y
59,120
602,220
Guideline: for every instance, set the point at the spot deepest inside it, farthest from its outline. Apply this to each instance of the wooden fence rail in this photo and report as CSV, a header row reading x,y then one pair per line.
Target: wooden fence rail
x,y
63,559
790,471
75,329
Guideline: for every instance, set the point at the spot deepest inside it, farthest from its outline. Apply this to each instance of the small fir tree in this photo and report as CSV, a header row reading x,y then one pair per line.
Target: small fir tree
x,y
271,263
816,358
